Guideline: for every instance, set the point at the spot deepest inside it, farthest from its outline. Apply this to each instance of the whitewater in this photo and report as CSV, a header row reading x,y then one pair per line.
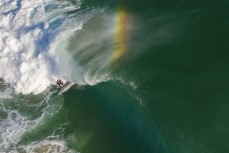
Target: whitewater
x,y
33,40
34,37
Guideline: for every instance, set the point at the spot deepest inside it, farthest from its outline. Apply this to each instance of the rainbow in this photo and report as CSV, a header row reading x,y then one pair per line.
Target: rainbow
x,y
120,38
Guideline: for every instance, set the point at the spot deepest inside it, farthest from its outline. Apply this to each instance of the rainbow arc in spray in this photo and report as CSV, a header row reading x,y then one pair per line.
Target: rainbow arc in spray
x,y
120,36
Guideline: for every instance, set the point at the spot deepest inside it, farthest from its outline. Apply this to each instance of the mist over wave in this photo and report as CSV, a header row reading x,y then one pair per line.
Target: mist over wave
x,y
33,40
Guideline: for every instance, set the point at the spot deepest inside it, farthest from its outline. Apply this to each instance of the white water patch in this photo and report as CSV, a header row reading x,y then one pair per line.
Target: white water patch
x,y
30,31
5,91
12,127
14,122
48,146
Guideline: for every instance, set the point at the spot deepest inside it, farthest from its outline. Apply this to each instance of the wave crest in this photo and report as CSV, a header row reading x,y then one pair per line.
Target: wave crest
x,y
31,36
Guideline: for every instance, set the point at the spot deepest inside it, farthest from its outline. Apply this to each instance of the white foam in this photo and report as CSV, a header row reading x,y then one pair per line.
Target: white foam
x,y
11,129
15,124
27,30
55,146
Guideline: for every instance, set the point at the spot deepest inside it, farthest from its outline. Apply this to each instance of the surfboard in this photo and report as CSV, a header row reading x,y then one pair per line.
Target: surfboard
x,y
65,87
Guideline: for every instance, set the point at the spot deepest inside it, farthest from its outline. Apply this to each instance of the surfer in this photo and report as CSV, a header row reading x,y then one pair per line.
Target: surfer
x,y
63,87
60,83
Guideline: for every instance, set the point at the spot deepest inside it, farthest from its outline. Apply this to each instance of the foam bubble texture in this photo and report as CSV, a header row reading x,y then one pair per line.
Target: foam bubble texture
x,y
55,146
14,123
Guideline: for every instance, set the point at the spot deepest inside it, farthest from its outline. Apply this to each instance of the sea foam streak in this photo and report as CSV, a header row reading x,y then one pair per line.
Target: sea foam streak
x,y
31,32
14,124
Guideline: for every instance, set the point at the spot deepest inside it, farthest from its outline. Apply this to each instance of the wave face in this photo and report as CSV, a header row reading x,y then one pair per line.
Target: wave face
x,y
33,42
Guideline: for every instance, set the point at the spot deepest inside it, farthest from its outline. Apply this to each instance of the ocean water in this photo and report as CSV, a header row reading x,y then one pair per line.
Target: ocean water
x,y
149,76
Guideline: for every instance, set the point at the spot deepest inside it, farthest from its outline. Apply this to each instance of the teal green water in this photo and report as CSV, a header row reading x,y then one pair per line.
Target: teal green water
x,y
178,60
173,93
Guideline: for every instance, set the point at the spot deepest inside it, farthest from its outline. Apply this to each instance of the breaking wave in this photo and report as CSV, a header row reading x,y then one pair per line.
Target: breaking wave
x,y
34,37
33,40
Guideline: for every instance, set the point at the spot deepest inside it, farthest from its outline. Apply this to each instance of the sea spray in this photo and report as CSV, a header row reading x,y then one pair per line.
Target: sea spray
x,y
31,35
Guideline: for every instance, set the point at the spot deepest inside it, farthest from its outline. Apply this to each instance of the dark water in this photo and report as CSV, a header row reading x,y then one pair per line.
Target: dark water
x,y
178,59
